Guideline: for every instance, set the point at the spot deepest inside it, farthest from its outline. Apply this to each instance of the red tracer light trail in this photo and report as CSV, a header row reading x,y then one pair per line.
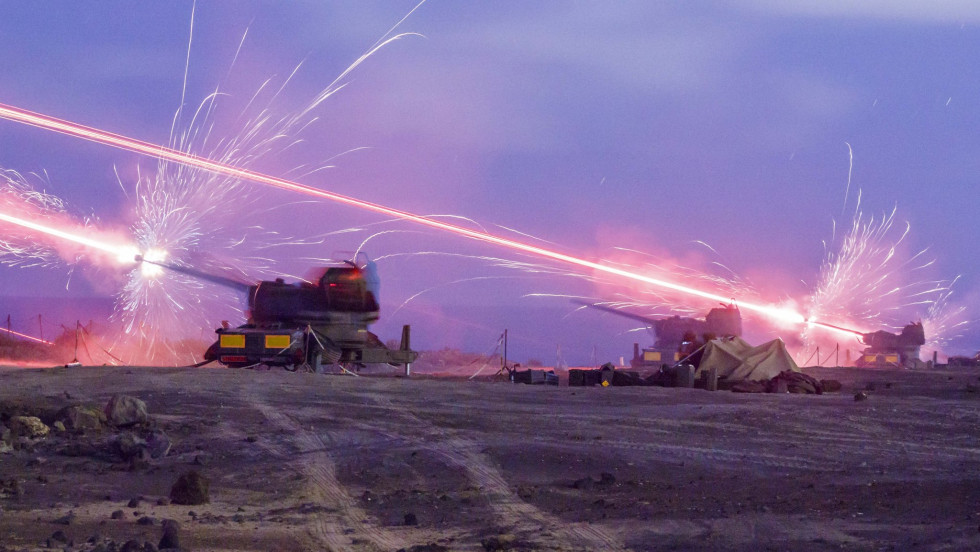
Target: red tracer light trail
x,y
25,336
116,140
122,252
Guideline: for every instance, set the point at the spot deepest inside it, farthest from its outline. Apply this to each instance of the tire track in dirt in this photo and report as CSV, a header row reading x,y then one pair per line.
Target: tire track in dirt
x,y
511,510
328,528
849,439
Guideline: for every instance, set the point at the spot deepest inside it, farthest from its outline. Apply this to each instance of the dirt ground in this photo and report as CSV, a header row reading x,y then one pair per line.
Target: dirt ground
x,y
322,462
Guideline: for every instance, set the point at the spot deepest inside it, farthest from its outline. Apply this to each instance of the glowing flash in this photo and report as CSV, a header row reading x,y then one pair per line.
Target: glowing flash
x,y
123,253
152,268
115,140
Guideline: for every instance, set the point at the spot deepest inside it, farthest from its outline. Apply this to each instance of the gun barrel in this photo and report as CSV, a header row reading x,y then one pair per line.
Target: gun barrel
x,y
194,273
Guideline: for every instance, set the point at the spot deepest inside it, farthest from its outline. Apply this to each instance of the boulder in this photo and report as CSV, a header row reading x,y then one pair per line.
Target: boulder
x,y
190,489
129,446
171,535
28,426
123,410
157,444
82,418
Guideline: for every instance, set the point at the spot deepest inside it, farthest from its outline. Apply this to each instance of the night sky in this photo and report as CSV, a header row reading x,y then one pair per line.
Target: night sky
x,y
590,125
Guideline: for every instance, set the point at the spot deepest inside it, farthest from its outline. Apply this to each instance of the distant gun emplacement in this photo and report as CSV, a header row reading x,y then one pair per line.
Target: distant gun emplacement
x,y
677,337
886,349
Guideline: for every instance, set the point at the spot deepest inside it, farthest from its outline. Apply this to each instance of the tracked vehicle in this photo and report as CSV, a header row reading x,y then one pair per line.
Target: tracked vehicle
x,y
307,325
890,350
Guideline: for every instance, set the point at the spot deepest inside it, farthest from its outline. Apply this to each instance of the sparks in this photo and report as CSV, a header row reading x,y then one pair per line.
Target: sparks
x,y
116,140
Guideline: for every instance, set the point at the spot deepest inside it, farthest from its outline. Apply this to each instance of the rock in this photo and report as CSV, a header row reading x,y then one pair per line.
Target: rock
x,y
118,514
128,446
498,542
158,444
132,546
410,519
190,489
67,519
59,426
28,426
123,411
585,484
163,501
59,536
860,396
11,487
171,535
431,547
133,503
606,478
78,448
82,418
6,435
146,520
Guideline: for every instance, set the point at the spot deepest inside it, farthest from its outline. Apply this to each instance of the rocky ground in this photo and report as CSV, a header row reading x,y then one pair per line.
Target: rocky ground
x,y
293,461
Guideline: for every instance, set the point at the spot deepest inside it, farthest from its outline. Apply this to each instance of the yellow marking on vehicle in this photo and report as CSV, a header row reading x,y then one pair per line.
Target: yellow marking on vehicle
x,y
651,356
232,341
277,341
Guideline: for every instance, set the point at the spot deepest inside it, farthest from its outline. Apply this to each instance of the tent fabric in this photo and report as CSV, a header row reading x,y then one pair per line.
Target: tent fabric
x,y
736,360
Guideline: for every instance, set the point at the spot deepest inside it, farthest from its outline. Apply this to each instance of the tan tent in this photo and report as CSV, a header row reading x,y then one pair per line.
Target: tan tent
x,y
736,360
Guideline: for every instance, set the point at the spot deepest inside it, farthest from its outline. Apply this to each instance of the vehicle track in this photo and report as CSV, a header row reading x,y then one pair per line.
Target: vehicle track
x,y
316,463
510,509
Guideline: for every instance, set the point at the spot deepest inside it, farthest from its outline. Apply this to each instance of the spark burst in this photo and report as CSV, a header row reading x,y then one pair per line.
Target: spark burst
x,y
187,209
869,279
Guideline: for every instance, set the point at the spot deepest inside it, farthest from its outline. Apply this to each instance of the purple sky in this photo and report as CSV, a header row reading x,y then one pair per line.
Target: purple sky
x,y
642,124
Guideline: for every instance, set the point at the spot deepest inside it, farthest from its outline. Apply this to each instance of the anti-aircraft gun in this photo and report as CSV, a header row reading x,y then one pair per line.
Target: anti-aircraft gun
x,y
310,324
675,334
886,349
